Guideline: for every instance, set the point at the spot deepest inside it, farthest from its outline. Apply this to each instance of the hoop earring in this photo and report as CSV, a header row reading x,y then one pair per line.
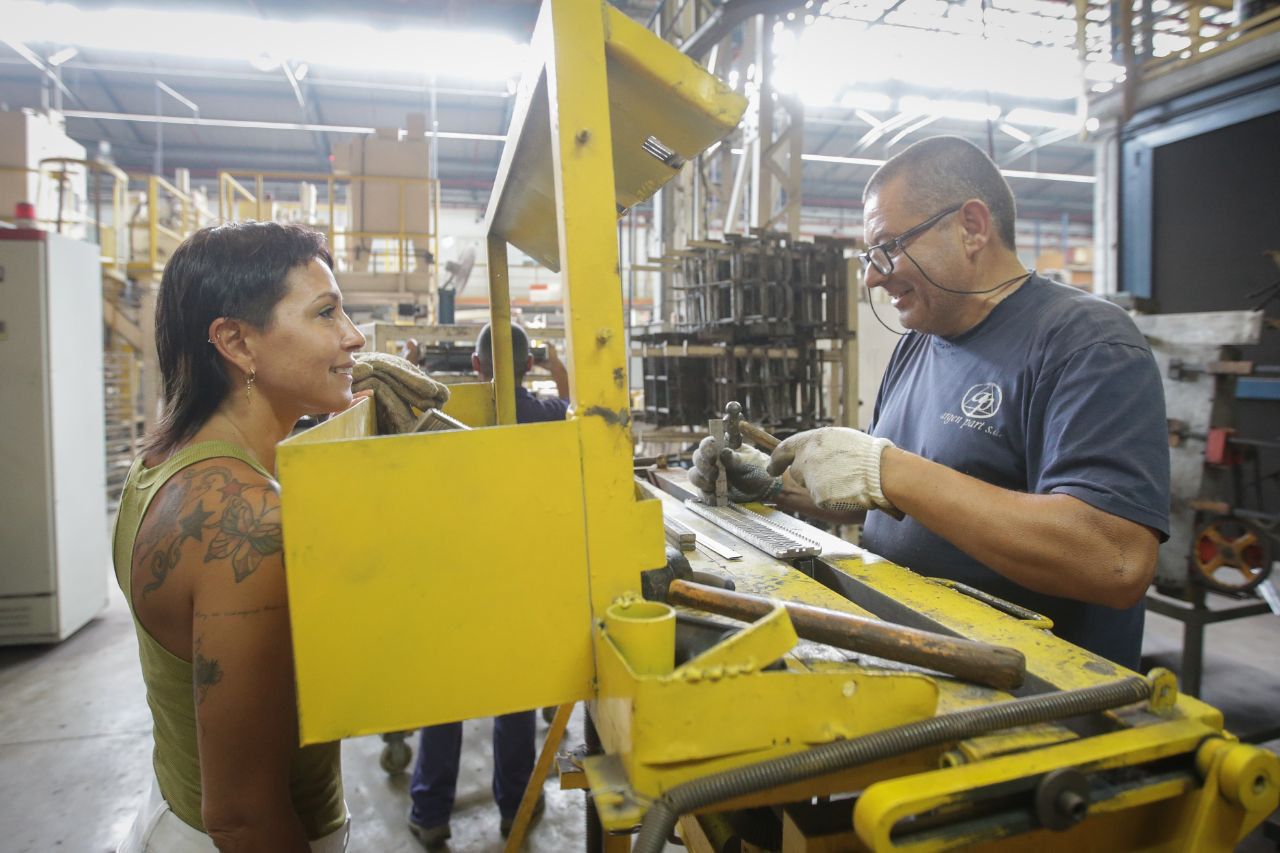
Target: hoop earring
x,y
248,384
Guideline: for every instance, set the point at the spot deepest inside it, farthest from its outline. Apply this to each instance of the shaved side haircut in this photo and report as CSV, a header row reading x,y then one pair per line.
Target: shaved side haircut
x,y
946,170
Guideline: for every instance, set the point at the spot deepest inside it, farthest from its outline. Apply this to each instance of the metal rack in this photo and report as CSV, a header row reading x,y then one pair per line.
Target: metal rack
x,y
765,285
748,317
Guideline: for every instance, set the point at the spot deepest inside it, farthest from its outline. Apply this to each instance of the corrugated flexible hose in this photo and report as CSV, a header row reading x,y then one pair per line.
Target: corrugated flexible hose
x,y
842,755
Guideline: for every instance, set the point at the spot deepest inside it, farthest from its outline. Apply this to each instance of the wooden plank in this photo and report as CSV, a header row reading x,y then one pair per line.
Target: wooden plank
x,y
808,829
533,790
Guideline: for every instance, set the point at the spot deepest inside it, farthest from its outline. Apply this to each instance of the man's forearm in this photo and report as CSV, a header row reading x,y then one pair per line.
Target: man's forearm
x,y
560,374
1053,544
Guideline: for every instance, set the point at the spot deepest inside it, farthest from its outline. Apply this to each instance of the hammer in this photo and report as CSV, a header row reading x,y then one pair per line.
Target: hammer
x,y
1000,667
736,428
655,584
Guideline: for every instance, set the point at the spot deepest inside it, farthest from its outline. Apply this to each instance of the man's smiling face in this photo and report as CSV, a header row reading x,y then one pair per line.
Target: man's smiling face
x,y
921,307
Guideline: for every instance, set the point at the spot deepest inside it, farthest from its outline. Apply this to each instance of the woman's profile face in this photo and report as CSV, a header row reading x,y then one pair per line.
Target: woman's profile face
x,y
304,359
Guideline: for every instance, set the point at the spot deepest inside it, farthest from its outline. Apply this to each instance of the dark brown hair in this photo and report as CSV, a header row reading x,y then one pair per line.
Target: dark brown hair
x,y
235,270
946,170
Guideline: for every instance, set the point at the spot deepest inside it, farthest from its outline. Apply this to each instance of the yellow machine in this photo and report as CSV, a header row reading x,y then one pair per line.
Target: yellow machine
x,y
450,575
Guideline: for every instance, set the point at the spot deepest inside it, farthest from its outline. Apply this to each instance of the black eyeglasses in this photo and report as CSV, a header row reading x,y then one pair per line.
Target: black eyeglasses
x,y
881,256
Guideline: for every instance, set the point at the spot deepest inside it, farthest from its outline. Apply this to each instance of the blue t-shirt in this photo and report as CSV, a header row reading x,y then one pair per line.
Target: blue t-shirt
x,y
531,409
1055,391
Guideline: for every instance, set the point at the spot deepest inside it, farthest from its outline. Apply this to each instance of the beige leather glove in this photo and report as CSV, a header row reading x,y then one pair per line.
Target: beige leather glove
x,y
839,466
415,387
398,388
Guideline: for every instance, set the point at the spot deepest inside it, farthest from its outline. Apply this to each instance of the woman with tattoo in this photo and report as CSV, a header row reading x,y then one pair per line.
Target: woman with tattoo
x,y
251,336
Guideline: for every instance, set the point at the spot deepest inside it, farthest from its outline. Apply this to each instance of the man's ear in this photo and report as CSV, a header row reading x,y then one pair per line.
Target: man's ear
x,y
975,219
477,365
230,337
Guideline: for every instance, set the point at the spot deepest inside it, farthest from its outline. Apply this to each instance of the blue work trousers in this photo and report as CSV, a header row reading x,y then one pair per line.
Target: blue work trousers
x,y
435,773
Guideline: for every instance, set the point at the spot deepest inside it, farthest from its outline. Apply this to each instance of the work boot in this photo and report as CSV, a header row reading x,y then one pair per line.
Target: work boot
x,y
431,837
505,824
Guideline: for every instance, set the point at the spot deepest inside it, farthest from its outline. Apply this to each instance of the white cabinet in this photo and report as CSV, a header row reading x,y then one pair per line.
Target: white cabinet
x,y
54,555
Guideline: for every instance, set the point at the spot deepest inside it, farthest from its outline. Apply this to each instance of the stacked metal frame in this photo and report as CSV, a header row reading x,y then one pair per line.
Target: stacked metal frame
x,y
765,300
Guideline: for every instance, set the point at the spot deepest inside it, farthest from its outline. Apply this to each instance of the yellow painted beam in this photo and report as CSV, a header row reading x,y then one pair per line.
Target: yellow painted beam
x,y
500,317
623,536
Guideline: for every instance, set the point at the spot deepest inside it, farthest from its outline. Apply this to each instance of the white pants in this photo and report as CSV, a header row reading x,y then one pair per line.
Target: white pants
x,y
157,829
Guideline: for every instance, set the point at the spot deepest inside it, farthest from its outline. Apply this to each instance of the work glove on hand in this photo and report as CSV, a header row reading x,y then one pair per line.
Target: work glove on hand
x,y
744,470
398,388
839,466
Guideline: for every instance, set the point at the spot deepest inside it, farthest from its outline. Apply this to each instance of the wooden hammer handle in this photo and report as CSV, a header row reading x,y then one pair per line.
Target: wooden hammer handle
x,y
995,666
759,437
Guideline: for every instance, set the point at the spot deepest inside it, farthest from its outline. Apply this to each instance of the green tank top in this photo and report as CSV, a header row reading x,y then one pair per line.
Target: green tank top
x,y
315,774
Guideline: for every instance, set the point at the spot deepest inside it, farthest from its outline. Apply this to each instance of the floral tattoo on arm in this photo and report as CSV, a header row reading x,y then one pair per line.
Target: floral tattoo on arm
x,y
243,531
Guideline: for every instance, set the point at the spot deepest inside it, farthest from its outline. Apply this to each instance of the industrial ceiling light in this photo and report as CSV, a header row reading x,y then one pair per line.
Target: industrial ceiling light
x,y
321,44
1044,118
62,56
265,62
958,110
1010,130
834,52
874,102
874,163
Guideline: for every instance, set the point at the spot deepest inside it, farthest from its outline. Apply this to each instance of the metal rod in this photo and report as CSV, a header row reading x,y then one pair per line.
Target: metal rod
x,y
266,125
1000,667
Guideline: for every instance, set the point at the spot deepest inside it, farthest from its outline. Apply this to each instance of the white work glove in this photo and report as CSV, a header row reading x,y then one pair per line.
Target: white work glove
x,y
744,470
839,466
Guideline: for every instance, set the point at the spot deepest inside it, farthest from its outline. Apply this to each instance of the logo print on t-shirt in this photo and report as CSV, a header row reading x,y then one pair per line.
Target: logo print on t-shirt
x,y
981,401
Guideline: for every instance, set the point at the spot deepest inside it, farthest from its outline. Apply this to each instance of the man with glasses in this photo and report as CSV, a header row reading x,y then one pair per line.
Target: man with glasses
x,y
1019,442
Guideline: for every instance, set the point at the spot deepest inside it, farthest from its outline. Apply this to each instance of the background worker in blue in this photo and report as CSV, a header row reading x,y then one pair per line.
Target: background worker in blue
x,y
1019,441
529,407
435,775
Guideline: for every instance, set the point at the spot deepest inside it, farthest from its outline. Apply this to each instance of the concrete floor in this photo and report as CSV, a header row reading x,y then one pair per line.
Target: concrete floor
x,y
75,744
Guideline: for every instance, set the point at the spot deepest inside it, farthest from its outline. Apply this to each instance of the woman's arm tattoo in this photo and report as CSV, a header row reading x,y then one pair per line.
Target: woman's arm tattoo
x,y
246,530
205,673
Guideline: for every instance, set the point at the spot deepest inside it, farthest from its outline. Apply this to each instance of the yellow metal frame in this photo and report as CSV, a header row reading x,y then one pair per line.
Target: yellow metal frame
x,y
1186,20
1201,47
672,728
188,222
482,555
232,192
111,236
1188,811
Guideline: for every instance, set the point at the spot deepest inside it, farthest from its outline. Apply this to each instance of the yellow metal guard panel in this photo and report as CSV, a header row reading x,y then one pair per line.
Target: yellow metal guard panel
x,y
472,403
653,91
435,577
356,422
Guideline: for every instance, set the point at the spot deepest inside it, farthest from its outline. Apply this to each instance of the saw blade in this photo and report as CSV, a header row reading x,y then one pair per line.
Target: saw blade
x,y
757,530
